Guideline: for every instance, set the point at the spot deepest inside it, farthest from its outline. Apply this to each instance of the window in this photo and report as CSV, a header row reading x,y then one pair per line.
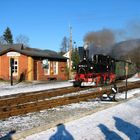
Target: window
x,y
52,68
55,67
14,67
47,69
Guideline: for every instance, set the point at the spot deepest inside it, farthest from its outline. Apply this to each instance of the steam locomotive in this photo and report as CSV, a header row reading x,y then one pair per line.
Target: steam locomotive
x,y
102,69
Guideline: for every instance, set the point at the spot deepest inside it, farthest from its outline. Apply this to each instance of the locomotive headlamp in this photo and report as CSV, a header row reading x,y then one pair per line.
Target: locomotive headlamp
x,y
91,68
74,68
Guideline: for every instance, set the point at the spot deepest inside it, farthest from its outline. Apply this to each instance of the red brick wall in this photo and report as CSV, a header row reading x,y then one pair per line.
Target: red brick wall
x,y
22,67
61,72
5,67
40,73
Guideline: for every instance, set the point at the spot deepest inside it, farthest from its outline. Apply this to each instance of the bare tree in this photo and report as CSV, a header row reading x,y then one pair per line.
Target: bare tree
x,y
64,45
22,39
2,41
134,55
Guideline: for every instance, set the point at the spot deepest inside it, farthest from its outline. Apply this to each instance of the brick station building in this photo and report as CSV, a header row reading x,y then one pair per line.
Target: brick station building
x,y
31,64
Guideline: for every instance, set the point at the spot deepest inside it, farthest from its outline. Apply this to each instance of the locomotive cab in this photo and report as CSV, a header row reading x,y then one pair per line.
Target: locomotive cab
x,y
104,63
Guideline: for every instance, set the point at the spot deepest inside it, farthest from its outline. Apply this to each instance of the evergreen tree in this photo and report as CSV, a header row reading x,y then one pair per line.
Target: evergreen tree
x,y
75,57
8,37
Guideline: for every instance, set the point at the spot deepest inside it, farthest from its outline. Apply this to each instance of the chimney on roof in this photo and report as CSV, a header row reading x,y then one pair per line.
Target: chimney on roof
x,y
22,47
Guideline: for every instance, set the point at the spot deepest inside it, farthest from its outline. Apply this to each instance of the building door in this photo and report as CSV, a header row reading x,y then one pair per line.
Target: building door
x,y
14,67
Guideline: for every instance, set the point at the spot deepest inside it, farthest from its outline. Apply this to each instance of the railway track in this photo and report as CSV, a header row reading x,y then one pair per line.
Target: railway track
x,y
36,101
23,98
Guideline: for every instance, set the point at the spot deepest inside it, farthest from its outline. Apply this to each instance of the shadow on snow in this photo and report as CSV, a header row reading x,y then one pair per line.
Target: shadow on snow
x,y
8,136
132,131
61,134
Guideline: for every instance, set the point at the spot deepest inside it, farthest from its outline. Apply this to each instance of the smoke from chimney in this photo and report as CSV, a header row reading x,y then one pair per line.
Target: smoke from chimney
x,y
99,41
103,41
102,38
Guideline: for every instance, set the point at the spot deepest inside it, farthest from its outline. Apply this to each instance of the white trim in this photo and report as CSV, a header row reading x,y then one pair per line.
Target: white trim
x,y
14,73
55,69
13,54
48,70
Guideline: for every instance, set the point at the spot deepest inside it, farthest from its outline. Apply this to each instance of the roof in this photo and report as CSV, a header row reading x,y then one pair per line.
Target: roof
x,y
33,52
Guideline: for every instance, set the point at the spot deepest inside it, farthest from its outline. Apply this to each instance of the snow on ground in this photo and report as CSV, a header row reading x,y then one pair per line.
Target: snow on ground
x,y
7,89
121,122
134,78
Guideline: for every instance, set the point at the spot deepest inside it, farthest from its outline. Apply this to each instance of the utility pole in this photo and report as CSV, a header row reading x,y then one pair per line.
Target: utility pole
x,y
126,76
70,52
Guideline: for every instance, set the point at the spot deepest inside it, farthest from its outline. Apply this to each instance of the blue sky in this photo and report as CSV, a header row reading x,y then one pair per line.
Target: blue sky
x,y
46,22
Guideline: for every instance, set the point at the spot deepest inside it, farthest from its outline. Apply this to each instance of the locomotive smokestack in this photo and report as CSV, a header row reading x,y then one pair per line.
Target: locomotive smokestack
x,y
81,53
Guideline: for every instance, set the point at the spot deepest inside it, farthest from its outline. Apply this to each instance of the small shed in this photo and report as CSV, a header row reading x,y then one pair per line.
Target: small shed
x,y
31,64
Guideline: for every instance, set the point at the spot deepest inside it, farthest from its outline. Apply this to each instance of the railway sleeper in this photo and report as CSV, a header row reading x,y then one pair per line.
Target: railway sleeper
x,y
32,98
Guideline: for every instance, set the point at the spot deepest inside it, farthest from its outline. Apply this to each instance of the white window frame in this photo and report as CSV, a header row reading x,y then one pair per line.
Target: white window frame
x,y
15,71
47,71
55,67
